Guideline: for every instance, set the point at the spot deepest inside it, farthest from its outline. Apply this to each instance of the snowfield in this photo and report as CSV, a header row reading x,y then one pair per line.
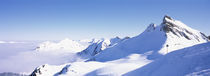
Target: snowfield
x,y
191,61
169,49
30,54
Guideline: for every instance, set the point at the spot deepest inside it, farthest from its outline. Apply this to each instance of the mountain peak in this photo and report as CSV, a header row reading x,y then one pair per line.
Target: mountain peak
x,y
167,17
179,29
171,25
176,29
168,21
151,27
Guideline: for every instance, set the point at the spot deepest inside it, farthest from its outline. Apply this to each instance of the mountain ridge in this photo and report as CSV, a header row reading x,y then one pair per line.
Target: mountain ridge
x,y
156,42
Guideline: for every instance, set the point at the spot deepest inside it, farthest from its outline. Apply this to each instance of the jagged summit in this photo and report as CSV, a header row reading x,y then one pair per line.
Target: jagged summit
x,y
154,39
167,22
179,29
151,27
167,17
180,35
99,46
174,28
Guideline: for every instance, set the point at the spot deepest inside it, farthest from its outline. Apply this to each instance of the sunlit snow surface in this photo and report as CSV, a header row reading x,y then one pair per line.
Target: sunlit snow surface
x,y
22,57
190,61
169,49
148,55
28,55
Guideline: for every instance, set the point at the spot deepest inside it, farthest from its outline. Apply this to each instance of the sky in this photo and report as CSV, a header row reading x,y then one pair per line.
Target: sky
x,y
86,19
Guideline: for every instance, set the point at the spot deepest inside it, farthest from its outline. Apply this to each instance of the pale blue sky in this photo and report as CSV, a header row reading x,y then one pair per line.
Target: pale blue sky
x,y
86,19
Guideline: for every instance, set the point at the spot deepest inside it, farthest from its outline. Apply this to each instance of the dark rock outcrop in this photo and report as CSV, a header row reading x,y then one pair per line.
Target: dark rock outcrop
x,y
209,37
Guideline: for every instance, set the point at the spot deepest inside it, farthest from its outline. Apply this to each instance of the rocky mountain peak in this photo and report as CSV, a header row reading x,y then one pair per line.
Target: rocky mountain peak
x,y
151,27
167,17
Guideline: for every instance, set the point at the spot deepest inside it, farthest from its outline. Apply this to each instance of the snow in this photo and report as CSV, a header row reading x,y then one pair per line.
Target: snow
x,y
28,60
191,61
169,49
177,40
65,45
47,70
97,47
147,54
24,55
92,68
122,66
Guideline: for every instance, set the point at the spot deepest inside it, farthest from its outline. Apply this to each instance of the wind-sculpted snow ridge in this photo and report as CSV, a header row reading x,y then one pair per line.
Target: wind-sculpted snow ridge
x,y
147,51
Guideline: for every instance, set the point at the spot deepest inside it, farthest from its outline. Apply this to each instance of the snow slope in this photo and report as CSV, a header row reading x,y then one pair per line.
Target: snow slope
x,y
22,58
92,68
157,44
189,61
192,61
54,53
155,38
99,46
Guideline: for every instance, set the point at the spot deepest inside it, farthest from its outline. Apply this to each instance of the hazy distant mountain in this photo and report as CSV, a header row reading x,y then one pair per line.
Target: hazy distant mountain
x,y
11,74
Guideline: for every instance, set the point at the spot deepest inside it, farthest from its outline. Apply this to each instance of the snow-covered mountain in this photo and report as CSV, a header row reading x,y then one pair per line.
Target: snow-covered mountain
x,y
190,61
79,46
99,46
11,74
155,39
156,45
65,45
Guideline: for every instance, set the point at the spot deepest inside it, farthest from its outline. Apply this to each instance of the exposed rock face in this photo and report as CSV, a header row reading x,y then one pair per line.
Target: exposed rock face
x,y
170,34
63,71
151,27
99,46
179,29
209,37
37,71
168,26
